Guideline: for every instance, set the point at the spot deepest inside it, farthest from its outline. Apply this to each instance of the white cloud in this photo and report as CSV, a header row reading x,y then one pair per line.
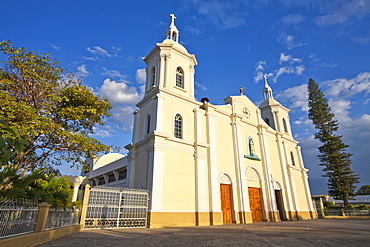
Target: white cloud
x,y
259,71
363,39
340,108
119,92
288,40
54,46
113,73
193,30
124,115
90,58
289,65
98,52
293,19
341,11
342,87
295,96
141,76
288,58
116,49
104,131
130,58
82,71
202,87
223,15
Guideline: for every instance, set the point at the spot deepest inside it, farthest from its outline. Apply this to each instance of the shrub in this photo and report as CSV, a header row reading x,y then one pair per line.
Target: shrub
x,y
329,205
362,207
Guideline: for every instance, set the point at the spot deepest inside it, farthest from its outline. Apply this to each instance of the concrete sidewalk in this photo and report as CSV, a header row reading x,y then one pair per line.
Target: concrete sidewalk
x,y
323,232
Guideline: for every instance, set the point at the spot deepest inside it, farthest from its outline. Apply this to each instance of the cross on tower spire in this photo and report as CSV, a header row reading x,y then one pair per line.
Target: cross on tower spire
x,y
172,31
173,19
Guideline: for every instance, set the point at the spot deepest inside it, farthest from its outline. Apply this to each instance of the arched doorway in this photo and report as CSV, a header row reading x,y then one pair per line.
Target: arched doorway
x,y
279,200
254,191
226,202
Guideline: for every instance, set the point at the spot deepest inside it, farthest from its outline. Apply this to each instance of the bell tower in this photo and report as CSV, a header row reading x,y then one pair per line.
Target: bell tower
x,y
274,114
170,66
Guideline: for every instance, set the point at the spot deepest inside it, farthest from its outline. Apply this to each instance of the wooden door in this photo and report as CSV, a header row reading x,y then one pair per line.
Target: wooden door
x,y
255,203
279,204
226,205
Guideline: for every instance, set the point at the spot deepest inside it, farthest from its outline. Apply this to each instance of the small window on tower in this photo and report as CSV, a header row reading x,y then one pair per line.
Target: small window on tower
x,y
148,119
285,126
179,77
267,121
153,77
178,126
292,158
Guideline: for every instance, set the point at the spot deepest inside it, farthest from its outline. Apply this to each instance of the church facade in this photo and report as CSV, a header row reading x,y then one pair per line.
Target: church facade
x,y
206,164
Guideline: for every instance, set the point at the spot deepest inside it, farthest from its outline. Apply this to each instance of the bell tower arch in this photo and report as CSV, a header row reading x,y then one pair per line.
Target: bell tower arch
x,y
274,114
170,66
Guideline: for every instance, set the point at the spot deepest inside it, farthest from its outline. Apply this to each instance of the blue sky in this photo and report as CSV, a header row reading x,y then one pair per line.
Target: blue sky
x,y
235,43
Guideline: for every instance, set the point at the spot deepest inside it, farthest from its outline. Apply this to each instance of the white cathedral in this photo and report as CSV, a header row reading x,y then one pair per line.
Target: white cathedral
x,y
206,164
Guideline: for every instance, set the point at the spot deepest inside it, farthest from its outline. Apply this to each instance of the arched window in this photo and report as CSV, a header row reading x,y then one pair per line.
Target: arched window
x,y
285,127
153,77
179,77
267,121
178,126
292,158
148,118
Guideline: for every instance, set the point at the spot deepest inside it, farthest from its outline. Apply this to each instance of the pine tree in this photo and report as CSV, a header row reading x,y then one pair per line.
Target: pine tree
x,y
335,160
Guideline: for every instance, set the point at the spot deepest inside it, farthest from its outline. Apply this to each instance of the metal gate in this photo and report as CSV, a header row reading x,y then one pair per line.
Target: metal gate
x,y
111,207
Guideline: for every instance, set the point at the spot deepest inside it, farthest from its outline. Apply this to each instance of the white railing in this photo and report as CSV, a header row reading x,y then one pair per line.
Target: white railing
x,y
111,207
17,216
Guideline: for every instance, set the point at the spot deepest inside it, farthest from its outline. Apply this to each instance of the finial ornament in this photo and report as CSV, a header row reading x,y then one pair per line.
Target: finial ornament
x,y
267,91
265,77
172,31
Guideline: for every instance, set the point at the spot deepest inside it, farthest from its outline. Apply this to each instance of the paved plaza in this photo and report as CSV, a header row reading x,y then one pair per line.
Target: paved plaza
x,y
323,232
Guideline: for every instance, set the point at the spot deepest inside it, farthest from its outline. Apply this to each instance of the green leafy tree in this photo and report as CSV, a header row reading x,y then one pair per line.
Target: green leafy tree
x,y
49,109
364,190
10,148
335,160
57,191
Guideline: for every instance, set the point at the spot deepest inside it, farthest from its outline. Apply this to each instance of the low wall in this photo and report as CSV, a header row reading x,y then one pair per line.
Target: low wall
x,y
347,217
31,239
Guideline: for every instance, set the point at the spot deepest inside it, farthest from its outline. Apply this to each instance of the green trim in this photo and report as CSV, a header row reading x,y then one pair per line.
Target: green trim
x,y
252,157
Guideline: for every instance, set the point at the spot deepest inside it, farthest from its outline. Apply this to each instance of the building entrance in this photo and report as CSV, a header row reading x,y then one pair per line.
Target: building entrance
x,y
255,203
226,205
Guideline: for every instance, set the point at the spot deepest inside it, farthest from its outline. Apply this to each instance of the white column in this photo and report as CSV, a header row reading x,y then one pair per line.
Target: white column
x,y
270,193
305,179
199,163
276,120
156,187
159,112
213,185
191,84
291,184
167,70
161,71
136,129
240,168
283,167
